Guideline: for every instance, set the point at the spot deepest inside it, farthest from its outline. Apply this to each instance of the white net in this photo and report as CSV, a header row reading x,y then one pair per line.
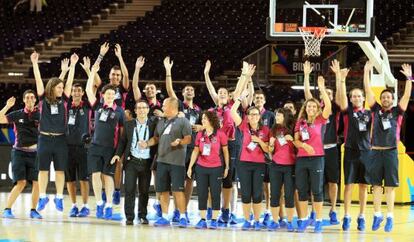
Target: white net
x,y
312,36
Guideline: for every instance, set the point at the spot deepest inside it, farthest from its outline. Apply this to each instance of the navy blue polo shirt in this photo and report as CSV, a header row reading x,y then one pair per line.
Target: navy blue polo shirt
x,y
25,126
79,122
357,128
108,121
386,126
332,125
153,107
53,117
267,117
193,115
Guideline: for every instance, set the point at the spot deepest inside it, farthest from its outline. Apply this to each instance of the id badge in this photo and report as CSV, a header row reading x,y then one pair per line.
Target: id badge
x,y
328,121
252,146
117,95
72,119
54,109
362,126
206,149
104,116
167,130
192,120
281,139
305,134
386,123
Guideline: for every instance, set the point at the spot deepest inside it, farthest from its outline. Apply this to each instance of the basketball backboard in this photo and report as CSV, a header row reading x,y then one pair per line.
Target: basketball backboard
x,y
345,20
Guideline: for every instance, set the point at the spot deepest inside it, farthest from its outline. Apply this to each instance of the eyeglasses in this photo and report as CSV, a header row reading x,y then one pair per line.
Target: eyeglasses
x,y
141,107
253,114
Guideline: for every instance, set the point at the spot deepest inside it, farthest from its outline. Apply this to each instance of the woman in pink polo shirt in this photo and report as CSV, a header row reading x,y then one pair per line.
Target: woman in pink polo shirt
x,y
309,170
209,170
251,167
282,169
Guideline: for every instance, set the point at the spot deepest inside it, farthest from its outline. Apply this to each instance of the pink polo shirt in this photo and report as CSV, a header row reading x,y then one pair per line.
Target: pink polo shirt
x,y
283,154
256,155
316,132
216,142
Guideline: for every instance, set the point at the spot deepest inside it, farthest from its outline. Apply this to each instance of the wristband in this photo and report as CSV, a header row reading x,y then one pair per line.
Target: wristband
x,y
410,78
167,75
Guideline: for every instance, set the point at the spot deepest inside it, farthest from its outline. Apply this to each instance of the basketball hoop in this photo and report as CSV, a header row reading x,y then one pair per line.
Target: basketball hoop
x,y
313,36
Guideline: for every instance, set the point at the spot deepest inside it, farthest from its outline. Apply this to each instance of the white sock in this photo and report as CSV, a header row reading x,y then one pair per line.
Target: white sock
x,y
74,205
318,220
165,215
303,219
378,214
361,216
86,205
347,216
99,203
108,205
59,196
157,202
182,215
42,195
390,215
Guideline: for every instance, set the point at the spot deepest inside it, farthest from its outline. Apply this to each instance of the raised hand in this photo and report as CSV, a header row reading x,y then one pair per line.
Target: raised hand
x,y
74,58
245,68
307,68
168,63
344,72
335,67
104,48
140,62
86,63
251,69
406,70
118,51
207,67
10,102
34,57
321,82
64,65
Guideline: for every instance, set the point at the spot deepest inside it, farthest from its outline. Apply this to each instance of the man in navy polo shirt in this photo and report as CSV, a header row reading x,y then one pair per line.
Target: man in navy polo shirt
x,y
192,113
23,156
79,115
108,127
386,126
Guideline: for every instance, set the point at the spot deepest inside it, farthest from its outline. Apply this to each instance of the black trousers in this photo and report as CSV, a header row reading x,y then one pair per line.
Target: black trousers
x,y
137,169
209,178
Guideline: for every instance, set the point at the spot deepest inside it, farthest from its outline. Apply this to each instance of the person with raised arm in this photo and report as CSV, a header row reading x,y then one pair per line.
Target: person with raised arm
x,y
23,154
386,127
192,113
109,119
309,170
52,143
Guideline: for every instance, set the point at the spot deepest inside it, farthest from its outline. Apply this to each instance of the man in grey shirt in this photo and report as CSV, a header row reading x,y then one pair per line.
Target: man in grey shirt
x,y
172,135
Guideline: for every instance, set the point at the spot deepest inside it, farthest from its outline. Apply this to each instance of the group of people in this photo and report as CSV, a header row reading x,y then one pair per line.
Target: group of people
x,y
283,156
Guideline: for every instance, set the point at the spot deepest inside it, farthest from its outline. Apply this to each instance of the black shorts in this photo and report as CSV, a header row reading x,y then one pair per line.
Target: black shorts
x,y
52,148
355,162
332,165
24,165
99,160
383,166
77,164
169,177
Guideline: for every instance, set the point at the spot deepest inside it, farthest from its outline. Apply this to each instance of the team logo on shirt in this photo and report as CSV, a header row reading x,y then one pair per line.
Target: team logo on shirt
x,y
112,115
81,112
21,120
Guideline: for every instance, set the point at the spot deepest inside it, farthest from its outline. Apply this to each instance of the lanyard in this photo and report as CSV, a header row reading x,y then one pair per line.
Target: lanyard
x,y
137,132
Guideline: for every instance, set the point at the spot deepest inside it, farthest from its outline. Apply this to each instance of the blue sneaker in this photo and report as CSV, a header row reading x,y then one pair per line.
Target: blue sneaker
x,y
273,226
202,224
42,203
176,216
213,224
289,227
35,214
158,210
233,219
258,226
84,212
100,211
225,215
58,204
246,225
108,213
116,197
377,222
7,213
266,218
388,225
361,224
103,196
74,212
318,227
302,225
283,223
312,218
346,223
183,223
332,218
161,222
186,217
209,213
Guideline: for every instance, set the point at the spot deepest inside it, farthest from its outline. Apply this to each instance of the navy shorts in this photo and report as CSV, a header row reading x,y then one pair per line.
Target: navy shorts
x,y
99,160
52,148
24,165
355,162
332,165
383,166
77,164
